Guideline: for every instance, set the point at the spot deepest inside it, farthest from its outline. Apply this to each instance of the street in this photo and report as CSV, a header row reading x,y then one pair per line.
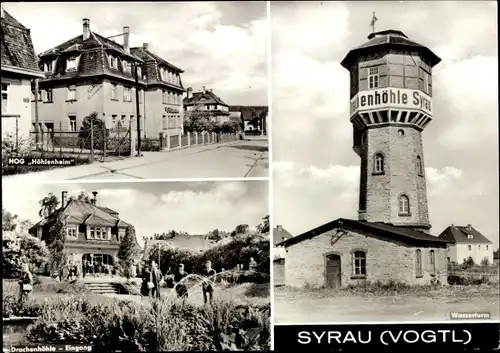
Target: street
x,y
307,309
239,159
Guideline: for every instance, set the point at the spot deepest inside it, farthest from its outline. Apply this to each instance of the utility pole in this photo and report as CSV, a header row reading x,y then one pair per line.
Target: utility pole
x,y
37,124
137,110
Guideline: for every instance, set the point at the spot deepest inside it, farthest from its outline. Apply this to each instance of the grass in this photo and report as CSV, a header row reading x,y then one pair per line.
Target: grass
x,y
395,288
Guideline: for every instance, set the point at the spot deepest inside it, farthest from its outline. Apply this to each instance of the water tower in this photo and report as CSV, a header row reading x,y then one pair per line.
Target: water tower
x,y
390,106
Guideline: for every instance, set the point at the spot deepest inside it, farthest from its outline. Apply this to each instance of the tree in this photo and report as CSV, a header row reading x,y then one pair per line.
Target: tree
x,y
21,247
82,196
263,228
48,205
215,235
496,254
240,229
468,262
127,252
92,124
198,120
56,242
11,222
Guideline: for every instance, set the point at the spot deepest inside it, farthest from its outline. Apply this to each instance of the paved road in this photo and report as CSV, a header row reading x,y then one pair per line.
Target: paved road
x,y
232,160
307,309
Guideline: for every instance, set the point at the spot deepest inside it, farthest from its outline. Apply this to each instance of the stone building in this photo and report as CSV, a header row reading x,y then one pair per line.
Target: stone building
x,y
467,241
93,232
19,67
391,89
90,73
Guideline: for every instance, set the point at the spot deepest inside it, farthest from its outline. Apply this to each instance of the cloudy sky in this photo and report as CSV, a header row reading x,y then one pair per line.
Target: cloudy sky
x,y
220,45
155,207
316,172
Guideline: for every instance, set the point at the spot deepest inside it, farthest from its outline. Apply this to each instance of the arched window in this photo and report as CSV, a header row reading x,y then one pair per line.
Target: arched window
x,y
420,168
378,164
433,262
404,204
359,263
418,263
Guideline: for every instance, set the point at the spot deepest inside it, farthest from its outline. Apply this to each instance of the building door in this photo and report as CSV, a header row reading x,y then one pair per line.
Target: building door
x,y
332,271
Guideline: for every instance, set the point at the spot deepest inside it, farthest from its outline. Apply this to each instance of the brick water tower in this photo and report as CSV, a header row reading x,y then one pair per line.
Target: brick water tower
x,y
391,90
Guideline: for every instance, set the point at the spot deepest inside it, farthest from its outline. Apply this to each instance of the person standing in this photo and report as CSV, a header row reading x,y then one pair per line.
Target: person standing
x,y
155,278
208,284
145,286
25,283
181,287
252,266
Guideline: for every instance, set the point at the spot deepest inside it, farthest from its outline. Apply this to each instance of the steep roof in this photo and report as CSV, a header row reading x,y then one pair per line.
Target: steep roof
x,y
459,234
146,54
203,97
17,51
83,212
280,235
382,230
388,39
250,112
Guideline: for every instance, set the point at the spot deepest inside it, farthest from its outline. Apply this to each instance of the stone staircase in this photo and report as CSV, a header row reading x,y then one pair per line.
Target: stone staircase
x,y
103,287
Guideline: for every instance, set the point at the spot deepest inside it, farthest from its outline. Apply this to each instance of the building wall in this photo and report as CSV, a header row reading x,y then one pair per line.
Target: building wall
x,y
18,104
119,107
305,261
478,252
155,113
400,176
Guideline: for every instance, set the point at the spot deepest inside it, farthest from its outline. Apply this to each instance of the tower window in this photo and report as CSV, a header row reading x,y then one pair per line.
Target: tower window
x,y
378,164
418,263
373,77
420,168
404,205
401,133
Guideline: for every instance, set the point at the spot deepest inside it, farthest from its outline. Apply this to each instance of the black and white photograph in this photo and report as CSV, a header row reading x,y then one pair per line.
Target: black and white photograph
x,y
385,162
144,90
142,266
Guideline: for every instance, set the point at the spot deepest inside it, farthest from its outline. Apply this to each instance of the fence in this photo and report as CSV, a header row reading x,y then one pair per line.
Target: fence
x,y
93,141
167,143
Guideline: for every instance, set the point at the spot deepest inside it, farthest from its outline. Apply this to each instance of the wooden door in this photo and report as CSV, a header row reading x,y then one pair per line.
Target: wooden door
x,y
332,270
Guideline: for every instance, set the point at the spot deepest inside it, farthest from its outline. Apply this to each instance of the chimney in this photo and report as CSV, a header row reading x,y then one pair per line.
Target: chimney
x,y
145,46
189,91
204,89
126,37
86,28
94,200
469,227
1,7
211,90
63,198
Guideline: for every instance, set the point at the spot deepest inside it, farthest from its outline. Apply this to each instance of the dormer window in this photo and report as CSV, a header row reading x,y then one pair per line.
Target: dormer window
x,y
470,236
71,231
71,63
48,66
121,234
139,72
126,67
162,74
113,62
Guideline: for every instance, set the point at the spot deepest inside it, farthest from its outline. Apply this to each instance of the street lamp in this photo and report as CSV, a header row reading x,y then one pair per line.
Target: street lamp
x,y
135,65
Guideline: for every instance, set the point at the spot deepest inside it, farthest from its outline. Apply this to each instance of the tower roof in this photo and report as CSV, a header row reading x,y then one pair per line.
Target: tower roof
x,y
388,39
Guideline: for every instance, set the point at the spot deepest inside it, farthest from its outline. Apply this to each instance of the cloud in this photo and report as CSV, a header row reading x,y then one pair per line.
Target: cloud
x,y
153,208
230,58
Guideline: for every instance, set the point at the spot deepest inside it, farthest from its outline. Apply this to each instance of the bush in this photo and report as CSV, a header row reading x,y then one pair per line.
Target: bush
x,y
485,262
19,248
161,326
92,124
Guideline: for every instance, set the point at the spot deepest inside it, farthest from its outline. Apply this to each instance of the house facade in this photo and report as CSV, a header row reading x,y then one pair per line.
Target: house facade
x,y
253,118
93,232
466,241
349,252
91,73
279,253
206,101
19,67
